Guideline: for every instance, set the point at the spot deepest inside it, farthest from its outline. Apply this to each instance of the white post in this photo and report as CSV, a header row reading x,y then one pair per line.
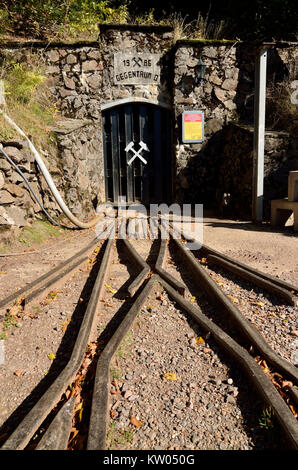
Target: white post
x,y
259,136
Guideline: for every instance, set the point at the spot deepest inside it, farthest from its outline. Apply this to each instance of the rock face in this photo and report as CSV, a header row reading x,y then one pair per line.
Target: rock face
x,y
17,205
235,167
82,77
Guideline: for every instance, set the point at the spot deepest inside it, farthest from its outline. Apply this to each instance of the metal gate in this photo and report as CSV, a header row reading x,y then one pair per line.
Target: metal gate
x,y
137,153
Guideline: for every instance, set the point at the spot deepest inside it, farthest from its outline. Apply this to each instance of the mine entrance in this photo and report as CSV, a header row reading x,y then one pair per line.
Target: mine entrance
x,y
137,153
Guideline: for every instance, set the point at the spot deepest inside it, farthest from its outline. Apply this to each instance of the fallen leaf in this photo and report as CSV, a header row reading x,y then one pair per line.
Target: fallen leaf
x,y
193,299
52,296
110,289
160,297
293,410
51,356
135,422
287,383
15,309
200,340
233,299
79,407
260,304
170,376
19,372
74,432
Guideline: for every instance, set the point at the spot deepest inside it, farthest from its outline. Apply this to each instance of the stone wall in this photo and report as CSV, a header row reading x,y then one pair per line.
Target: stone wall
x,y
82,81
17,205
226,96
78,146
235,168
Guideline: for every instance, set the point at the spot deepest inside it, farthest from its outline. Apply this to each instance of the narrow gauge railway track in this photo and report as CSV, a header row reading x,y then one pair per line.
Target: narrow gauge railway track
x,y
55,435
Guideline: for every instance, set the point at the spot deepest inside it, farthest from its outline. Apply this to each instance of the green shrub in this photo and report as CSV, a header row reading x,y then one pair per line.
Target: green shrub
x,y
28,100
21,82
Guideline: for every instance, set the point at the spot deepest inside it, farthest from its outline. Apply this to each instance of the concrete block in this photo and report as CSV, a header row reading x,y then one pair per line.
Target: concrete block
x,y
281,209
293,186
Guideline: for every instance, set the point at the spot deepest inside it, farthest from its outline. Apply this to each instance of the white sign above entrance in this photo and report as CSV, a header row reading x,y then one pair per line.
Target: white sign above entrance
x,y
143,146
136,68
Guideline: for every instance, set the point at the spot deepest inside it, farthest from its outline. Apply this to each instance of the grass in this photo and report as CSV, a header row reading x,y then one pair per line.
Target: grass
x,y
115,373
124,348
9,322
118,437
39,232
201,28
266,419
36,310
281,111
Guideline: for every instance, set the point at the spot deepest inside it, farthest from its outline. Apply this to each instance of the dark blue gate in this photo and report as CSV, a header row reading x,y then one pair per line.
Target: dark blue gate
x,y
137,143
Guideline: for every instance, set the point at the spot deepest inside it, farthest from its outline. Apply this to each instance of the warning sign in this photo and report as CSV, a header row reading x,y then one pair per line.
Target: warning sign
x,y
192,126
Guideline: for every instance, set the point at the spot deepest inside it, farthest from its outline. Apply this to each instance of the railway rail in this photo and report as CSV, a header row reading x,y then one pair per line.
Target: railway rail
x,y
242,347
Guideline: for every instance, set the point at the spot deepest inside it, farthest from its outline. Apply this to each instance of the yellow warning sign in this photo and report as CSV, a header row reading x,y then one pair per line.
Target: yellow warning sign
x,y
193,126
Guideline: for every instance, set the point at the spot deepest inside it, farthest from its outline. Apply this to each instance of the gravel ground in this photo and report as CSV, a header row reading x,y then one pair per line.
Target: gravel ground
x,y
209,404
277,322
17,271
45,327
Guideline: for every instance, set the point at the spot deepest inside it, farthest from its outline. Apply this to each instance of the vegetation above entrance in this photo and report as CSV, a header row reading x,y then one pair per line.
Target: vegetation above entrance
x,y
60,19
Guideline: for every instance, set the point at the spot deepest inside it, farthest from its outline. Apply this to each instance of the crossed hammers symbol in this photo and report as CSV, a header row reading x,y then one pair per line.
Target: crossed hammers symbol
x,y
137,61
137,154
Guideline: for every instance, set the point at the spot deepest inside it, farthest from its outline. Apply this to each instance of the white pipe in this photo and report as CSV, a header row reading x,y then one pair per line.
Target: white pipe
x,y
49,180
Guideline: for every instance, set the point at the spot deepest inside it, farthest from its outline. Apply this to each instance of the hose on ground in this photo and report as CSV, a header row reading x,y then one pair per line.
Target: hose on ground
x,y
49,180
28,184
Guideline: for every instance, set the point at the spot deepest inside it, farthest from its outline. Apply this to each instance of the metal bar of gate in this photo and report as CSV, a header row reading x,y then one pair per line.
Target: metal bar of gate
x,y
105,150
144,169
115,153
167,158
157,156
129,138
